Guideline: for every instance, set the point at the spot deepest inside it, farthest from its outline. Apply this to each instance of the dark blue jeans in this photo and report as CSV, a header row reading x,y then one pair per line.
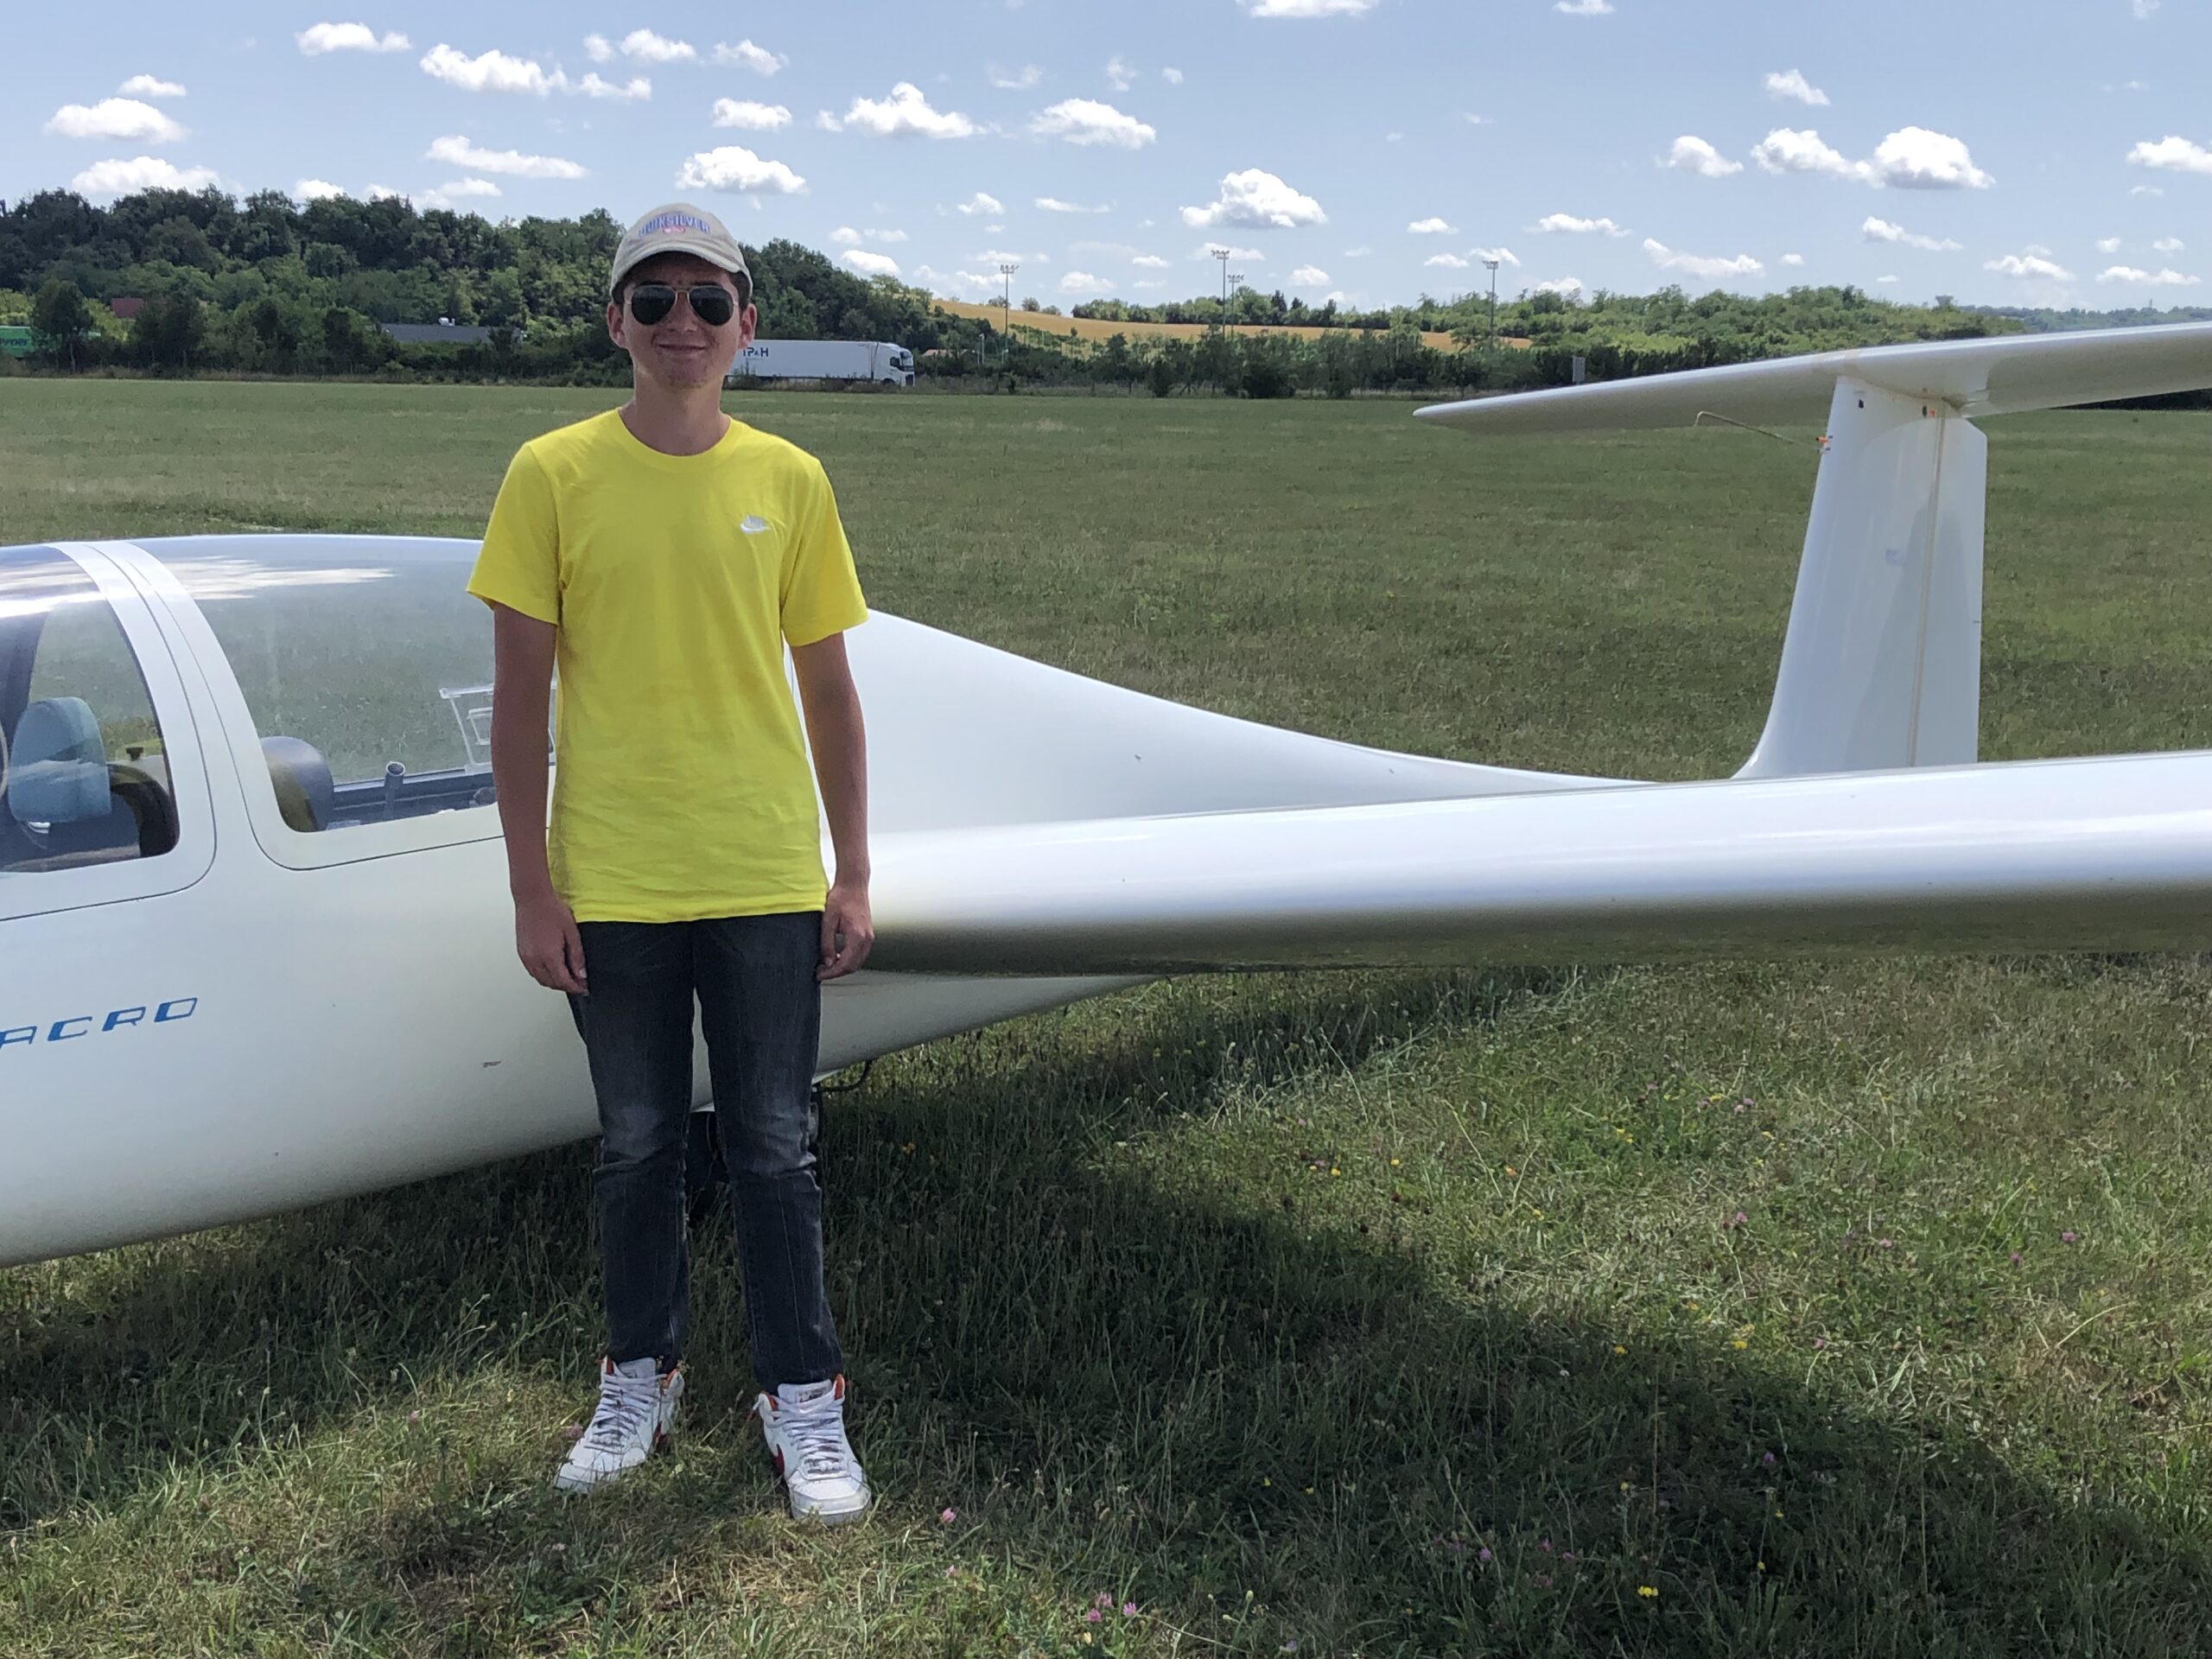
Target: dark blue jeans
x,y
760,1008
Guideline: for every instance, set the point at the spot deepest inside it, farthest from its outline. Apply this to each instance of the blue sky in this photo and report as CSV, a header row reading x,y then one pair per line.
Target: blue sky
x,y
2030,151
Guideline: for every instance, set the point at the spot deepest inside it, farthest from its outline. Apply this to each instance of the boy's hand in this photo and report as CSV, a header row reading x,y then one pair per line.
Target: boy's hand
x,y
547,940
848,931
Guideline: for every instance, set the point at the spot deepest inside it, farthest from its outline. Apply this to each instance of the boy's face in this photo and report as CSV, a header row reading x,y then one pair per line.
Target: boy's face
x,y
682,349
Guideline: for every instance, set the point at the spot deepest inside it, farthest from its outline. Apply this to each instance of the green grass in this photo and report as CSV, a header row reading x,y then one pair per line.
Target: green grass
x,y
1266,1304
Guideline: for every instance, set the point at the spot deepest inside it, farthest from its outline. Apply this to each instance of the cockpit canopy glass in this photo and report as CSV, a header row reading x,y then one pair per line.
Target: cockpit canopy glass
x,y
84,777
366,666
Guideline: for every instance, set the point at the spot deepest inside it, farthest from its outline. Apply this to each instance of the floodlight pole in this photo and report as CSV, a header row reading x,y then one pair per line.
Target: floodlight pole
x,y
1006,310
1222,254
1492,266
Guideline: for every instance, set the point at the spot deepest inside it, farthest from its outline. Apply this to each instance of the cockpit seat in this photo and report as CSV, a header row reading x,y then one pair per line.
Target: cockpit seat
x,y
305,792
58,784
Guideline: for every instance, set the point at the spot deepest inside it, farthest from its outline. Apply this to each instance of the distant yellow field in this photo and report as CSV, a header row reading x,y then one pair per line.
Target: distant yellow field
x,y
1092,328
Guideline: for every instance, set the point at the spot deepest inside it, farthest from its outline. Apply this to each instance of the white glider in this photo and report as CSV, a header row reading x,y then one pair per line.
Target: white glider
x,y
256,949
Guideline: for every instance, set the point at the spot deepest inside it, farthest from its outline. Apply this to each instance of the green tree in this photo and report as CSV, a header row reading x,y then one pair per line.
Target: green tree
x,y
168,333
61,318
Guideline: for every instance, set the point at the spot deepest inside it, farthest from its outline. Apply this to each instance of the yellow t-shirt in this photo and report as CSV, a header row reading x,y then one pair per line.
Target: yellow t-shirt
x,y
682,787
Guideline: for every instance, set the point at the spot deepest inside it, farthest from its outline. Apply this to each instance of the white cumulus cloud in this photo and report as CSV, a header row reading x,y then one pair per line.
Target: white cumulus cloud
x,y
735,168
1693,154
635,89
1446,261
1080,282
2034,263
456,151
2174,154
1054,204
348,37
1014,81
1309,276
2168,278
1793,258
1569,225
150,87
1881,230
1504,256
1694,264
871,264
316,190
1913,158
907,114
1308,8
1585,7
1172,77
1787,150
646,47
756,117
115,117
1086,121
758,58
1431,227
461,187
1150,262
984,203
1792,84
2168,244
599,48
489,72
1569,286
846,236
1121,74
122,178
2107,244
1257,201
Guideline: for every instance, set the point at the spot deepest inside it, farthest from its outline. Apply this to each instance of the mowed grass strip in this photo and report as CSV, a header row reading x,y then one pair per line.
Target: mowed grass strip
x,y
1745,1309
1097,329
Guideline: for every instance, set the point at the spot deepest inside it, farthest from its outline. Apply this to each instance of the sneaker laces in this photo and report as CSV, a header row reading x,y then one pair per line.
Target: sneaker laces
x,y
817,1431
624,1403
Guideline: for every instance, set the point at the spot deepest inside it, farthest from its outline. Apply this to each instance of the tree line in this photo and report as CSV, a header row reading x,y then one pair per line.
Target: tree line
x,y
264,284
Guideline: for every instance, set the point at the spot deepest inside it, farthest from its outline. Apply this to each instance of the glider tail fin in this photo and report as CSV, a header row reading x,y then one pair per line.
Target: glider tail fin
x,y
1881,666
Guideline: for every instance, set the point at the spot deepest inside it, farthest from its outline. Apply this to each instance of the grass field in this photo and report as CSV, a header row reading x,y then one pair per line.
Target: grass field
x,y
1094,329
1827,1309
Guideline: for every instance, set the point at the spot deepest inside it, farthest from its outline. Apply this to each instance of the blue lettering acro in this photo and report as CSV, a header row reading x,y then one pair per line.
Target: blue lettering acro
x,y
72,1027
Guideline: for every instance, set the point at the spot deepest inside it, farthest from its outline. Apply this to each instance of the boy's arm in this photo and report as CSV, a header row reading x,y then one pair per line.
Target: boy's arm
x,y
836,733
546,937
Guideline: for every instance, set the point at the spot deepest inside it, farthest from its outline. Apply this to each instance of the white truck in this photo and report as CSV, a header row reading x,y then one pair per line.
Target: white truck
x,y
823,360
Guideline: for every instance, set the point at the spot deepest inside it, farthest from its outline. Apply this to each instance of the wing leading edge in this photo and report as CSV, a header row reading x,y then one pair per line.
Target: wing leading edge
x,y
2004,375
2107,854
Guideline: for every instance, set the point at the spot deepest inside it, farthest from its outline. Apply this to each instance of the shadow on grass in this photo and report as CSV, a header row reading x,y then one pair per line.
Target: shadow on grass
x,y
1132,1382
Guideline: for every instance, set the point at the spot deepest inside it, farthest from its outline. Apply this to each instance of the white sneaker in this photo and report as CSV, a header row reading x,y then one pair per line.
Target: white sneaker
x,y
637,1409
804,1425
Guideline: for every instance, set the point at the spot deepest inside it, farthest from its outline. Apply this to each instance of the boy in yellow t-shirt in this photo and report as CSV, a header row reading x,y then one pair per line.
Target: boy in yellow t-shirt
x,y
663,557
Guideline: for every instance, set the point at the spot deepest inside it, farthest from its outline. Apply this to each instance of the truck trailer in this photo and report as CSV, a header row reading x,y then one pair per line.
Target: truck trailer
x,y
823,359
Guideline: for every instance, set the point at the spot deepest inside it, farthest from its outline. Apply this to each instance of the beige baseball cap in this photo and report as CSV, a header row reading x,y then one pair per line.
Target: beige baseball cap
x,y
679,227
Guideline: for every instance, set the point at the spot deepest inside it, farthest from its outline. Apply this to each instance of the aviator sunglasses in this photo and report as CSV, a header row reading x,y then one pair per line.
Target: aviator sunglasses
x,y
711,302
